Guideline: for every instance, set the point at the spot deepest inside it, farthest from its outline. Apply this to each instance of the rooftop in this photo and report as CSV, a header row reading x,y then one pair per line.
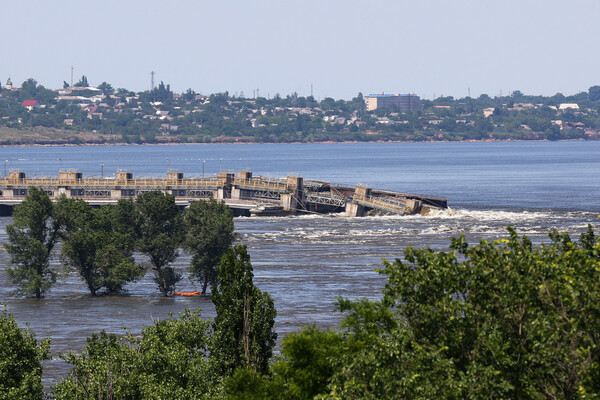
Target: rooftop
x,y
390,95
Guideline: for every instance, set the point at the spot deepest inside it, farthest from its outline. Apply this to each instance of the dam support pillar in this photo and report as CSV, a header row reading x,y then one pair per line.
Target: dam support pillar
x,y
289,203
354,210
413,206
226,181
294,199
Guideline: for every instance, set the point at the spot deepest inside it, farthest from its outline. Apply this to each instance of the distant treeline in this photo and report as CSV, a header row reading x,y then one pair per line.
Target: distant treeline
x,y
161,116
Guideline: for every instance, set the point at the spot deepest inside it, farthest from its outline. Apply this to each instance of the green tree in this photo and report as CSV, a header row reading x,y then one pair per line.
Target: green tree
x,y
97,246
308,362
160,229
501,319
29,88
83,82
243,328
106,88
31,239
20,355
208,234
169,361
594,93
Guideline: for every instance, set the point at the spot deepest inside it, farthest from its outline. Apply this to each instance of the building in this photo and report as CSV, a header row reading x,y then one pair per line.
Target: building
x,y
568,106
30,104
402,102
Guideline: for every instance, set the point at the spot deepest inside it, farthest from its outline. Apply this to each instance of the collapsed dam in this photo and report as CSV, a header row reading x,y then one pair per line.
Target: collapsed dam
x,y
245,194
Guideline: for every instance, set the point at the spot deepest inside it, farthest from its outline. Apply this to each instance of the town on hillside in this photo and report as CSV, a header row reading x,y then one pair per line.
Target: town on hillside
x,y
80,113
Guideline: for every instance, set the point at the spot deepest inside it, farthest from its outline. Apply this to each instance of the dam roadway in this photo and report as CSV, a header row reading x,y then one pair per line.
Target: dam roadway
x,y
245,194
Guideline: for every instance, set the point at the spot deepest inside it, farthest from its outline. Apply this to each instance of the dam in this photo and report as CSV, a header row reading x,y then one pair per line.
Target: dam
x,y
245,194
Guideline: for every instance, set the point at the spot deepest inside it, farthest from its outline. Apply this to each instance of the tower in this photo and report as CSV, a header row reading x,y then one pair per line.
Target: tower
x,y
9,84
152,80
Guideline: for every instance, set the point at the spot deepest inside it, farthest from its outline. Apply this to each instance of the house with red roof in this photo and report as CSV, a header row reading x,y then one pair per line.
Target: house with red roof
x,y
30,104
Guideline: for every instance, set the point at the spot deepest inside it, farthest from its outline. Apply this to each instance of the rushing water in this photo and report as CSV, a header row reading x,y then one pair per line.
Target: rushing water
x,y
307,262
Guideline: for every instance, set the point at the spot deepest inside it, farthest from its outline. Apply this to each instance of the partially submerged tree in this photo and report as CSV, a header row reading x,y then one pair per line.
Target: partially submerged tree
x,y
160,236
208,235
20,356
97,245
31,239
243,328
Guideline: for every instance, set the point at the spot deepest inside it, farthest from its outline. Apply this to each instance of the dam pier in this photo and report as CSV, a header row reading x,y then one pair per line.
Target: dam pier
x,y
245,194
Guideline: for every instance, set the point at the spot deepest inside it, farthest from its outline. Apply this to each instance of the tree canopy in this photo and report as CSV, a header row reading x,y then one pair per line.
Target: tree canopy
x,y
169,360
500,319
243,328
160,236
20,356
97,244
208,234
31,239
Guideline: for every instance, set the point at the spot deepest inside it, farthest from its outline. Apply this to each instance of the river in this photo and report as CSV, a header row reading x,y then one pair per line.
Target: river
x,y
307,262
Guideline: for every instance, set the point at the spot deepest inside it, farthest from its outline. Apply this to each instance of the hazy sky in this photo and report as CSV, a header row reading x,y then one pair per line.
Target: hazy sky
x,y
341,47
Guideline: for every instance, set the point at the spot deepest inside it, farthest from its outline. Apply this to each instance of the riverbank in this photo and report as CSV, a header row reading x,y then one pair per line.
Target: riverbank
x,y
50,137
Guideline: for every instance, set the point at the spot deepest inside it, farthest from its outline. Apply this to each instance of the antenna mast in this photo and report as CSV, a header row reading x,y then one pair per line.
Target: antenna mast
x,y
152,80
72,68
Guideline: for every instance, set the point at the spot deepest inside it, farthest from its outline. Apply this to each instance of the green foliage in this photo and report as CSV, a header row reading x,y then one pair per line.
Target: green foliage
x,y
20,356
31,239
500,319
83,82
160,236
97,245
169,361
243,328
184,358
106,88
309,360
594,93
247,384
208,234
293,118
503,320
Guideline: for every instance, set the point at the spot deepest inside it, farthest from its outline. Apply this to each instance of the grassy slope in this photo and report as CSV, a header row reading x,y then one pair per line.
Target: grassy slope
x,y
47,136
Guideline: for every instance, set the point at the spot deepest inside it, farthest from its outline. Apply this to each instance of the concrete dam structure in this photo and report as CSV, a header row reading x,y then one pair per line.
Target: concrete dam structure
x,y
245,194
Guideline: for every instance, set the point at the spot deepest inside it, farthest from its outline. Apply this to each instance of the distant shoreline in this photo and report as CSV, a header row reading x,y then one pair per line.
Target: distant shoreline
x,y
273,143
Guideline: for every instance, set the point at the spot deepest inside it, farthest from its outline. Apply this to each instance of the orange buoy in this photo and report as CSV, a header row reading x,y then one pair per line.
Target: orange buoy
x,y
187,293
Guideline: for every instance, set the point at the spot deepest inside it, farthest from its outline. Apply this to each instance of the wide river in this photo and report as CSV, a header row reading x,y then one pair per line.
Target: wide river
x,y
307,262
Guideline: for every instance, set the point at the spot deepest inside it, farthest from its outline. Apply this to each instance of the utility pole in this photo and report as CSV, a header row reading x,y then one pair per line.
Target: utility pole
x,y
72,69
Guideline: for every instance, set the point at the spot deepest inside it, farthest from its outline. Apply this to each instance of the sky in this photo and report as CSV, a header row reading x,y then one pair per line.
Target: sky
x,y
336,47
